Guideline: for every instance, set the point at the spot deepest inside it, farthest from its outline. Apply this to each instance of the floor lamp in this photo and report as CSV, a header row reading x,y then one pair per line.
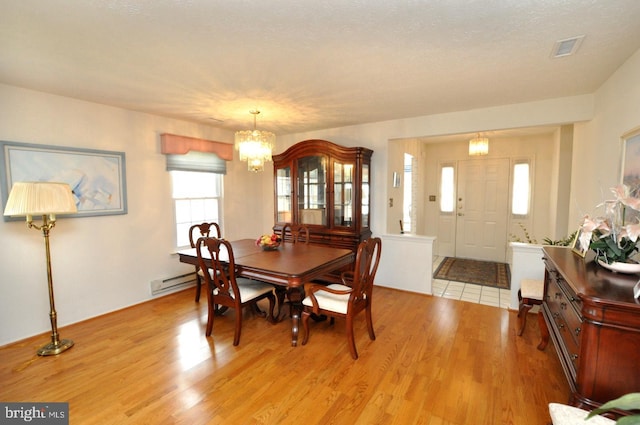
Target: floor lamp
x,y
46,199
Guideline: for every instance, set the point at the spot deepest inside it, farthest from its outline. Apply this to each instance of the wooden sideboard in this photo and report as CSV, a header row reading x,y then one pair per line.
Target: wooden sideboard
x,y
593,321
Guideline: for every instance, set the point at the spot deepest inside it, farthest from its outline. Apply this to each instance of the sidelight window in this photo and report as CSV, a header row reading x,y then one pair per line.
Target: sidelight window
x,y
447,188
521,195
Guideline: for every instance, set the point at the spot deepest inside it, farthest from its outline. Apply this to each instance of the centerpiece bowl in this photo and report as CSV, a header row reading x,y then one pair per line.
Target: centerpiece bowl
x,y
269,242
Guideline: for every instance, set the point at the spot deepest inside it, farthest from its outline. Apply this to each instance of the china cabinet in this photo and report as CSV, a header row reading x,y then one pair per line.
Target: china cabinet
x,y
325,187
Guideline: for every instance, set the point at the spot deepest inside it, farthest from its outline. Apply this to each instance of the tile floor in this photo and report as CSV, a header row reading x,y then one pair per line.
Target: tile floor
x,y
469,292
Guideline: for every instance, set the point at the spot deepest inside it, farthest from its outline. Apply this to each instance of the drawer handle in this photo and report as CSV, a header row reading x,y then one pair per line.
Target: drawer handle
x,y
558,295
563,305
577,331
556,315
561,325
574,357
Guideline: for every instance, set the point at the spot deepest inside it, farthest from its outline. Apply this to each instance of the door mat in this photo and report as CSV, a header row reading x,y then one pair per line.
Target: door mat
x,y
485,273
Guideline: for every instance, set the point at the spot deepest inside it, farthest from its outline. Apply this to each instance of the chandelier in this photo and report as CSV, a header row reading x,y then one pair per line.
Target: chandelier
x,y
478,146
255,146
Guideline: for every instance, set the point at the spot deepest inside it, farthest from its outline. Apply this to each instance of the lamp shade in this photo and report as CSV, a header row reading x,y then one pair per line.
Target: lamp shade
x,y
255,146
40,198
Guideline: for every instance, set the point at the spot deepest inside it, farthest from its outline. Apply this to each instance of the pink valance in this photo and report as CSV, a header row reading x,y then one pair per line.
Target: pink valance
x,y
172,144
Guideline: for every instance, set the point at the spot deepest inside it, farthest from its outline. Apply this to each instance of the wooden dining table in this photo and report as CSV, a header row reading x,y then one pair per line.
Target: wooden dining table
x,y
289,268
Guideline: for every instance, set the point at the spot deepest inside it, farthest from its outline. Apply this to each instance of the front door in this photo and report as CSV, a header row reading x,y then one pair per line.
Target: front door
x,y
481,209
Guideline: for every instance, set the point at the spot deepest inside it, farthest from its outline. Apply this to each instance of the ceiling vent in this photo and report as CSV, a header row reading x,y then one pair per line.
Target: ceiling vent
x,y
566,47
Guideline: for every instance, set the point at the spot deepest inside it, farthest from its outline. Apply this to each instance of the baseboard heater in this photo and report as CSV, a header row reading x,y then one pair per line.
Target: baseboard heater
x,y
172,284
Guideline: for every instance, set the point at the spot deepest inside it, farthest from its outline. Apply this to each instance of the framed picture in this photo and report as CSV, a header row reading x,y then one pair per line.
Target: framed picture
x,y
630,169
97,178
581,242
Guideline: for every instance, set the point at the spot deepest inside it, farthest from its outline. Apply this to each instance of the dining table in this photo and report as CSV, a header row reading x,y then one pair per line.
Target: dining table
x,y
288,267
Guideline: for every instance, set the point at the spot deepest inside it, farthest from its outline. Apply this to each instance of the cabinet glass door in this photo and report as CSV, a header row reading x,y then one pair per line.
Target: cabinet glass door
x,y
283,195
365,195
312,190
343,194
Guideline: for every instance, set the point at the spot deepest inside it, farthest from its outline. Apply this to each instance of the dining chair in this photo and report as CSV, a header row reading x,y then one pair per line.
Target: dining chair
x,y
198,231
296,230
346,300
225,288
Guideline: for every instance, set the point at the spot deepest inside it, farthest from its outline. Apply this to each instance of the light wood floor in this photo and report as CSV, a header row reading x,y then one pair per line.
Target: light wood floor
x,y
435,361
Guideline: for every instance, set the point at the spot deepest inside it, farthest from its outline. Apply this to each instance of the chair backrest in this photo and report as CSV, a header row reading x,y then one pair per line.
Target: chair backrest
x,y
366,266
296,230
203,230
222,275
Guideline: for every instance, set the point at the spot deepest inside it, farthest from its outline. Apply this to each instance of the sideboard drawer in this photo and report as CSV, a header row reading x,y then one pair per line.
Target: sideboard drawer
x,y
571,348
564,303
568,343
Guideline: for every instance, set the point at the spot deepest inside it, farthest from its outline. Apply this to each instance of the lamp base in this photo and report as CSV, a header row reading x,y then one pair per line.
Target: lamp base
x,y
52,349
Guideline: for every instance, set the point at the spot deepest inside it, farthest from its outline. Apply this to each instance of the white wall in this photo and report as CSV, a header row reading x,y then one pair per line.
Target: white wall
x,y
597,146
105,263
540,149
102,263
377,136
600,121
406,263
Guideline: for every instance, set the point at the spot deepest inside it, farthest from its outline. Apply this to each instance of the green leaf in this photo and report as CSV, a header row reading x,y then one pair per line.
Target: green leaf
x,y
629,401
629,420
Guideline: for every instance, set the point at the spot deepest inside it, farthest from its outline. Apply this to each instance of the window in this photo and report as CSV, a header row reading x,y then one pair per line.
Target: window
x,y
197,198
447,189
521,189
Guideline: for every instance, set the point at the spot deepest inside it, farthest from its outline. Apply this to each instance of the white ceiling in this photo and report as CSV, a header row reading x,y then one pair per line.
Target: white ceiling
x,y
311,65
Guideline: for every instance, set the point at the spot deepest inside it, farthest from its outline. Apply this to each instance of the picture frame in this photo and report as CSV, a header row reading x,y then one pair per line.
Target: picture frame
x,y
581,242
97,178
630,163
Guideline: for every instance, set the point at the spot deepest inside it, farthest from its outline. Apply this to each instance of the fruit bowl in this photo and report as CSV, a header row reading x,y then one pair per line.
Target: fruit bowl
x,y
269,242
269,247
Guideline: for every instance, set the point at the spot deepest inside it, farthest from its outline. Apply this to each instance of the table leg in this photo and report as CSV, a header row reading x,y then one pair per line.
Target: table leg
x,y
295,296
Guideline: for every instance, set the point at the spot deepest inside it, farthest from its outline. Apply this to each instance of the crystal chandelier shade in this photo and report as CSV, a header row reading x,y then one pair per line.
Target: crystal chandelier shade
x,y
478,146
255,146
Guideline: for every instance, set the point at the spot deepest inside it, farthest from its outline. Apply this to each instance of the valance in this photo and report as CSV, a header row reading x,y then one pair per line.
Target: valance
x,y
180,145
192,154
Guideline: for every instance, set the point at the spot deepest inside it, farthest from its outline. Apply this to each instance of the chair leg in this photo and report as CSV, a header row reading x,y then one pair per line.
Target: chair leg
x,y
522,315
305,326
350,339
272,302
236,334
280,295
367,313
211,313
198,287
